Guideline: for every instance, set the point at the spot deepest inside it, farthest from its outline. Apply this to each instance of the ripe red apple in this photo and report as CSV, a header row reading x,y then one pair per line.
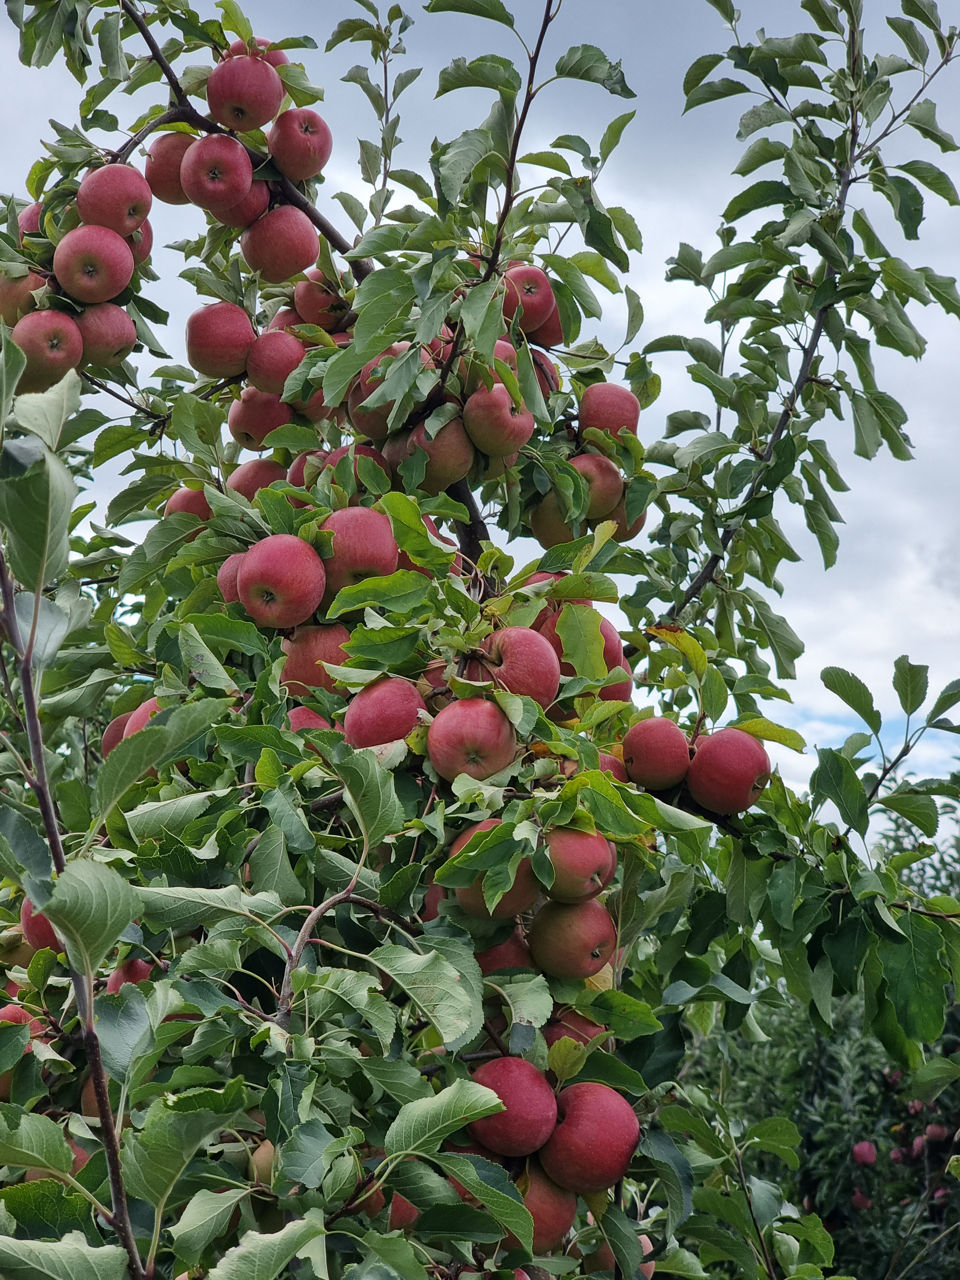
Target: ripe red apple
x,y
383,711
272,358
866,1152
287,318
530,1114
583,864
219,338
494,423
548,523
471,736
403,1213
140,716
256,474
93,264
113,733
141,242
519,897
255,415
227,577
305,650
162,170
28,219
656,753
512,953
728,771
548,334
190,500
37,930
612,765
132,970
363,547
115,196
303,719
596,1135
609,407
317,302
521,661
108,333
297,473
568,1023
244,92
281,244
53,346
552,1208
261,49
450,454
16,295
529,288
572,940
300,143
604,483
621,690
216,172
548,375
280,581
248,209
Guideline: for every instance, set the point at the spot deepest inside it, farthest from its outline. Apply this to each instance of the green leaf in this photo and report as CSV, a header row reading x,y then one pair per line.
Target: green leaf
x,y
924,11
36,498
204,1219
35,1141
931,177
370,794
910,683
613,133
758,196
435,986
686,644
493,1189
851,690
263,1257
761,727
45,414
930,1080
488,72
182,909
919,810
587,62
495,10
698,70
713,91
12,364
922,116
72,1258
90,907
836,779
421,1126
916,977
401,592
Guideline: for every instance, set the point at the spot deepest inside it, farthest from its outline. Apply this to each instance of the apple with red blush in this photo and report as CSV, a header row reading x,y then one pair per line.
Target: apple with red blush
x,y
594,1140
250,477
306,650
272,357
216,172
494,423
384,711
518,898
520,660
300,143
218,340
656,753
108,332
572,940
251,418
363,547
162,169
93,263
280,244
471,736
281,581
52,344
244,92
728,771
115,196
605,406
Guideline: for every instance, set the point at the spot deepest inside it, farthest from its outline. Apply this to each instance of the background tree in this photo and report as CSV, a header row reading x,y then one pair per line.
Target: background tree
x,y
369,893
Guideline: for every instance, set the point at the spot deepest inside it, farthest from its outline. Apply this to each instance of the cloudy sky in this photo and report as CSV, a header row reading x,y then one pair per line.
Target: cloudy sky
x,y
895,588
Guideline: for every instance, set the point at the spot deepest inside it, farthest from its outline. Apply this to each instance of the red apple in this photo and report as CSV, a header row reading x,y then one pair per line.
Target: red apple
x,y
287,318
244,92
548,375
37,929
355,452
529,288
548,334
621,690
512,953
141,242
281,244
132,970
280,581
625,532
216,172
248,209
604,483
297,472
521,661
53,346
93,264
302,719
317,302
28,219
162,170
272,358
594,1141
583,864
261,49
552,1208
16,295
568,1023
608,407
530,1114
572,940
493,422
471,736
219,338
656,753
548,524
254,475
728,771
191,500
866,1152
363,547
115,196
382,712
113,733
612,765
372,421
255,415
140,716
227,577
108,333
305,650
300,143
518,898
612,644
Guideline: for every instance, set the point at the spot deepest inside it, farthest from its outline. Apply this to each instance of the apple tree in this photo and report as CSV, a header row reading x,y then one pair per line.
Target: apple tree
x,y
369,870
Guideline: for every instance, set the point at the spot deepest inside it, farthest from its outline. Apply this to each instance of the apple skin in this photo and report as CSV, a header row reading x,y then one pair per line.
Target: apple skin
x,y
28,220
219,338
548,334
583,864
572,940
227,577
113,733
257,413
521,661
272,358
519,897
296,472
531,1107
471,736
728,771
316,302
115,196
568,1024
52,343
281,581
512,953
305,649
866,1152
192,501
656,753
304,718
363,547
216,172
300,143
547,523
403,1213
247,210
162,169
131,970
612,765
493,422
622,690
281,244
596,1135
529,288
37,929
625,532
373,422
244,92
604,482
93,264
254,475
450,454
553,1209
608,407
16,295
261,49
108,333
383,711
139,717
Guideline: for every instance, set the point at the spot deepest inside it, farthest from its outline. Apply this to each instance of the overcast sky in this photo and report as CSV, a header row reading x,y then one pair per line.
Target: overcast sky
x,y
896,584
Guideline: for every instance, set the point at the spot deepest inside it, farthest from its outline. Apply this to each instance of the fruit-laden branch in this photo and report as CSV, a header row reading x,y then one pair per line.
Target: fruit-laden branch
x,y
40,785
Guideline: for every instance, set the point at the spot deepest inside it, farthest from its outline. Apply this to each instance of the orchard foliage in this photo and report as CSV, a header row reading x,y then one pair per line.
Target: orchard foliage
x,y
273,882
